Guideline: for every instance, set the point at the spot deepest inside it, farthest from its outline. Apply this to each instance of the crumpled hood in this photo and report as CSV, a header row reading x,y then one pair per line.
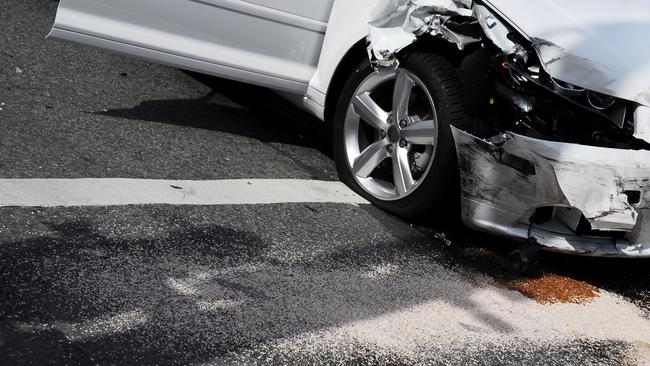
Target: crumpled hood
x,y
602,45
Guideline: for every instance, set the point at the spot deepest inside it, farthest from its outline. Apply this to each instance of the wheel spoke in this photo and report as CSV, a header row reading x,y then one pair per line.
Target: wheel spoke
x,y
402,172
370,158
369,111
402,95
420,133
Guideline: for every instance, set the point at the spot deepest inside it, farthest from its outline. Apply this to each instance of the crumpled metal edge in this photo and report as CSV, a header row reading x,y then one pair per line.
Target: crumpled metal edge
x,y
395,24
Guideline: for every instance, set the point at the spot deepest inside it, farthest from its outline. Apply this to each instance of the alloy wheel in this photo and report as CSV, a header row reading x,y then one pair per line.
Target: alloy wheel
x,y
390,134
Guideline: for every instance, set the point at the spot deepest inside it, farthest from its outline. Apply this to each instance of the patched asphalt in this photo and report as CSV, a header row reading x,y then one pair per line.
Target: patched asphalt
x,y
256,284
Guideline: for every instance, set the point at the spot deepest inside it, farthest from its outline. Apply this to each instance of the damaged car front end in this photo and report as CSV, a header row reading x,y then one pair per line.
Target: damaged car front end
x,y
557,145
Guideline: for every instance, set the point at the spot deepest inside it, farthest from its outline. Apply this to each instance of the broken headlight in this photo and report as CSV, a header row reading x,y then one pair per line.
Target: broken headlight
x,y
600,101
508,89
547,108
604,106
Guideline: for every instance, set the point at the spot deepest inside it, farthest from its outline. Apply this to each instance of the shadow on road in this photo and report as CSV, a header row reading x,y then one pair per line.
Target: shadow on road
x,y
257,113
195,293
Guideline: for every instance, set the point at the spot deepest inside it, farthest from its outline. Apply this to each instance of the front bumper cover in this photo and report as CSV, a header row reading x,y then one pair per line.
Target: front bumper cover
x,y
504,184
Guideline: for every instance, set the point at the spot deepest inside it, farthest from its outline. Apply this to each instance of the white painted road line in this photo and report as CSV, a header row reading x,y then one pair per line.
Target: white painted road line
x,y
121,192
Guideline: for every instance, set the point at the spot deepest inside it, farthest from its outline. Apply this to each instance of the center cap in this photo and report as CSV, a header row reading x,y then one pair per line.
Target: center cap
x,y
393,134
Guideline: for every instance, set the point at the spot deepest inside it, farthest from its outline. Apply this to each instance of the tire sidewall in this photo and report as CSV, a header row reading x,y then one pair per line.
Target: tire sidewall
x,y
440,186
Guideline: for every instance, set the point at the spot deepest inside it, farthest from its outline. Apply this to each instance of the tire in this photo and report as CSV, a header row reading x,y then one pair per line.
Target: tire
x,y
410,135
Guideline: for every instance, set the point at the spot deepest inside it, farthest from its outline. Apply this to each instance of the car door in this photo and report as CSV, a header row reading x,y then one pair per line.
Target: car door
x,y
274,43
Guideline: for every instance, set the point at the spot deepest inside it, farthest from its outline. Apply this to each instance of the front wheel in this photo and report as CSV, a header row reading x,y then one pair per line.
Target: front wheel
x,y
392,137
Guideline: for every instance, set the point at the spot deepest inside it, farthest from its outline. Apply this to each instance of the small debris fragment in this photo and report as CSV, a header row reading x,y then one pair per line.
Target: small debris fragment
x,y
18,70
442,237
124,74
176,187
313,210
49,107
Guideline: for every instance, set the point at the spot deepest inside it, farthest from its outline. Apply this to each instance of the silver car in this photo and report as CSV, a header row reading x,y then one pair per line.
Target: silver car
x,y
530,120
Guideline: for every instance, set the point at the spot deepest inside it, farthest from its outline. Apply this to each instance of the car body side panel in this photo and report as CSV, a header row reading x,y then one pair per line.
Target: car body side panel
x,y
316,10
179,61
348,25
229,38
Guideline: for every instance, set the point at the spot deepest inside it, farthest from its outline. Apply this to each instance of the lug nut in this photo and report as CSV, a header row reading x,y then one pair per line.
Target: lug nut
x,y
402,123
390,148
402,143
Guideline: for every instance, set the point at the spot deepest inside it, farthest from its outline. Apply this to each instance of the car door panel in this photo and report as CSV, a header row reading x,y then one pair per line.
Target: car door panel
x,y
230,38
317,10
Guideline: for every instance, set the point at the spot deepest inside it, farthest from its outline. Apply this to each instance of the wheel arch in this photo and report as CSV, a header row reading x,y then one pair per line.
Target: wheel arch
x,y
343,70
359,51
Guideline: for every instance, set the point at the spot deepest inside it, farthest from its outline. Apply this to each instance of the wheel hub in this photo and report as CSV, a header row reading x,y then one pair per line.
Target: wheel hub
x,y
393,134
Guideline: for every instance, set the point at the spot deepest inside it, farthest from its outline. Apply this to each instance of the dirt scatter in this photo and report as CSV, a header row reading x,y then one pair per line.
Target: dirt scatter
x,y
638,354
551,288
542,285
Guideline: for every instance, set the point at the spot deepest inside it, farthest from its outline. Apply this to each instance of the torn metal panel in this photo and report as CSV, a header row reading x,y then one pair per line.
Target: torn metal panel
x,y
594,44
642,123
494,29
501,192
483,217
395,24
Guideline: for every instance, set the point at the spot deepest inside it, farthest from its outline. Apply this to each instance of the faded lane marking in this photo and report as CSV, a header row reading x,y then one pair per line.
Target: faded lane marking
x,y
120,192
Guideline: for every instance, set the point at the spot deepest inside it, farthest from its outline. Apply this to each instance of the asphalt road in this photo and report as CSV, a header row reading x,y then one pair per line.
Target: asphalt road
x,y
303,283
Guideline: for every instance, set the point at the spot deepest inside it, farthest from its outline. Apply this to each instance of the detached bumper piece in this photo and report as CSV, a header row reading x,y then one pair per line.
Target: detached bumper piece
x,y
568,197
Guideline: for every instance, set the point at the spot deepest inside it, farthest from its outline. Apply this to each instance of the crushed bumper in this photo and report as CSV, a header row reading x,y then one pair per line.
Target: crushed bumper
x,y
570,198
